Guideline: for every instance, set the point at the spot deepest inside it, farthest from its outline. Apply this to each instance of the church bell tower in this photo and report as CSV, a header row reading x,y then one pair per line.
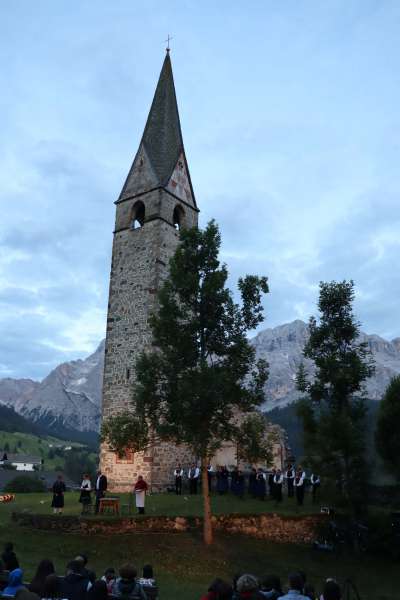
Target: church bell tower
x,y
156,200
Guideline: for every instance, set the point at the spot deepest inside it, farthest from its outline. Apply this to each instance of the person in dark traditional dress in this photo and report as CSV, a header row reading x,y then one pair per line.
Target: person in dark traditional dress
x,y
240,484
315,483
101,488
178,474
253,483
271,485
299,486
234,481
290,474
222,480
86,497
278,482
193,476
58,495
261,485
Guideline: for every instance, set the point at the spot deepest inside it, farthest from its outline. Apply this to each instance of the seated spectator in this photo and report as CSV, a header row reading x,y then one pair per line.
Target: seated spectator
x,y
51,587
234,582
148,582
98,591
76,583
109,577
248,587
296,584
91,575
219,590
3,576
45,568
14,583
309,591
331,590
271,587
126,584
9,557
147,576
25,594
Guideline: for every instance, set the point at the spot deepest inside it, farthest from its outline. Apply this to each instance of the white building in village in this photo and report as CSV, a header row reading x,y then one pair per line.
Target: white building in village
x,y
23,462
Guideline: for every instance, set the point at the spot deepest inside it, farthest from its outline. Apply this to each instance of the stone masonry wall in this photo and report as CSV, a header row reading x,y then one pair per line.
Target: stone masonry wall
x,y
298,530
140,260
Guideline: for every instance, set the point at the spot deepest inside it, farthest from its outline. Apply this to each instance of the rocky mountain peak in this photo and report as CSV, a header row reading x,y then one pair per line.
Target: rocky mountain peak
x,y
70,396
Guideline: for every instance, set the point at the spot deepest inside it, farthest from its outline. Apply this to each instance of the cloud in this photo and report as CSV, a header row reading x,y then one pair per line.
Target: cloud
x,y
291,126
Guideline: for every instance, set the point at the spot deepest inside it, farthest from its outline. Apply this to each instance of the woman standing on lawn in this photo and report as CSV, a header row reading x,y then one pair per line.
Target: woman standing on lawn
x,y
58,495
86,497
140,490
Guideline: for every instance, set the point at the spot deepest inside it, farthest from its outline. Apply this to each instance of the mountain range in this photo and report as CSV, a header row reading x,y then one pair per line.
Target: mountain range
x,y
68,400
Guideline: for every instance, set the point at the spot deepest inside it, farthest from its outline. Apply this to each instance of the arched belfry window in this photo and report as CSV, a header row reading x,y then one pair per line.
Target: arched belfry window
x,y
178,217
138,214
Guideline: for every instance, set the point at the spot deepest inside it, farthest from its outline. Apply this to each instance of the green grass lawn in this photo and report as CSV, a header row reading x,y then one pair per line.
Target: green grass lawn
x,y
184,567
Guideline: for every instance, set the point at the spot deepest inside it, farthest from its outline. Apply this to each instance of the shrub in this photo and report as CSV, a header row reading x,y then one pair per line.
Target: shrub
x,y
9,467
24,484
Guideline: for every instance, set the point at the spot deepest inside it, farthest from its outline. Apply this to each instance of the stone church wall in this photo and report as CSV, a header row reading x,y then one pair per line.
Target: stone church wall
x,y
140,261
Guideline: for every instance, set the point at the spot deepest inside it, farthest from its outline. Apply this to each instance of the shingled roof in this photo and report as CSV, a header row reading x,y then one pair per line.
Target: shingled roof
x,y
162,136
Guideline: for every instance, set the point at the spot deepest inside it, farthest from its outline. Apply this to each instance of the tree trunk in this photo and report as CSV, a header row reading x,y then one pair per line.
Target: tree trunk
x,y
207,526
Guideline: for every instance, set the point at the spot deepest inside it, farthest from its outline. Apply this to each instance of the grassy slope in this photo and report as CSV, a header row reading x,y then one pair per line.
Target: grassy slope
x,y
35,445
183,566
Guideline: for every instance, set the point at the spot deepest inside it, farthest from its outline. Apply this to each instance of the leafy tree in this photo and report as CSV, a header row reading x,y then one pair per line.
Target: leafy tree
x,y
387,438
253,445
201,378
6,447
77,463
333,408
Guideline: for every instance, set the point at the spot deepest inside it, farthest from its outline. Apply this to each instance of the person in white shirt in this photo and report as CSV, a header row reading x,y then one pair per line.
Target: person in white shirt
x,y
86,497
315,483
100,489
178,474
299,486
290,474
193,476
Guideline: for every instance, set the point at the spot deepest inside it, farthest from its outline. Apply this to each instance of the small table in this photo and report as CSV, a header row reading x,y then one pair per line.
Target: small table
x,y
109,505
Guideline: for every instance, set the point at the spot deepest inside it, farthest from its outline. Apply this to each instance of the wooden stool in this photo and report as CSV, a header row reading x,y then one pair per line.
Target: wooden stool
x,y
109,505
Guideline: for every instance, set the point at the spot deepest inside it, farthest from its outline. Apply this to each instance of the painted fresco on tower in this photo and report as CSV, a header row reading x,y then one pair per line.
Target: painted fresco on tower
x,y
179,182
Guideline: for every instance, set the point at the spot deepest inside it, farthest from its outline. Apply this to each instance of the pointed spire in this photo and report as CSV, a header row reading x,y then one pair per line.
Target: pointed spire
x,y
162,137
162,140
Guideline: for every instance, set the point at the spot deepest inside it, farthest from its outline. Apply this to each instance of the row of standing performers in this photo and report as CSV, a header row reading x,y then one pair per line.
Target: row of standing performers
x,y
258,482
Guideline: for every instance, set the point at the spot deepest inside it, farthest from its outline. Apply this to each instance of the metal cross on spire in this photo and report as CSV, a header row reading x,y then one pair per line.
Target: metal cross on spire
x,y
168,41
